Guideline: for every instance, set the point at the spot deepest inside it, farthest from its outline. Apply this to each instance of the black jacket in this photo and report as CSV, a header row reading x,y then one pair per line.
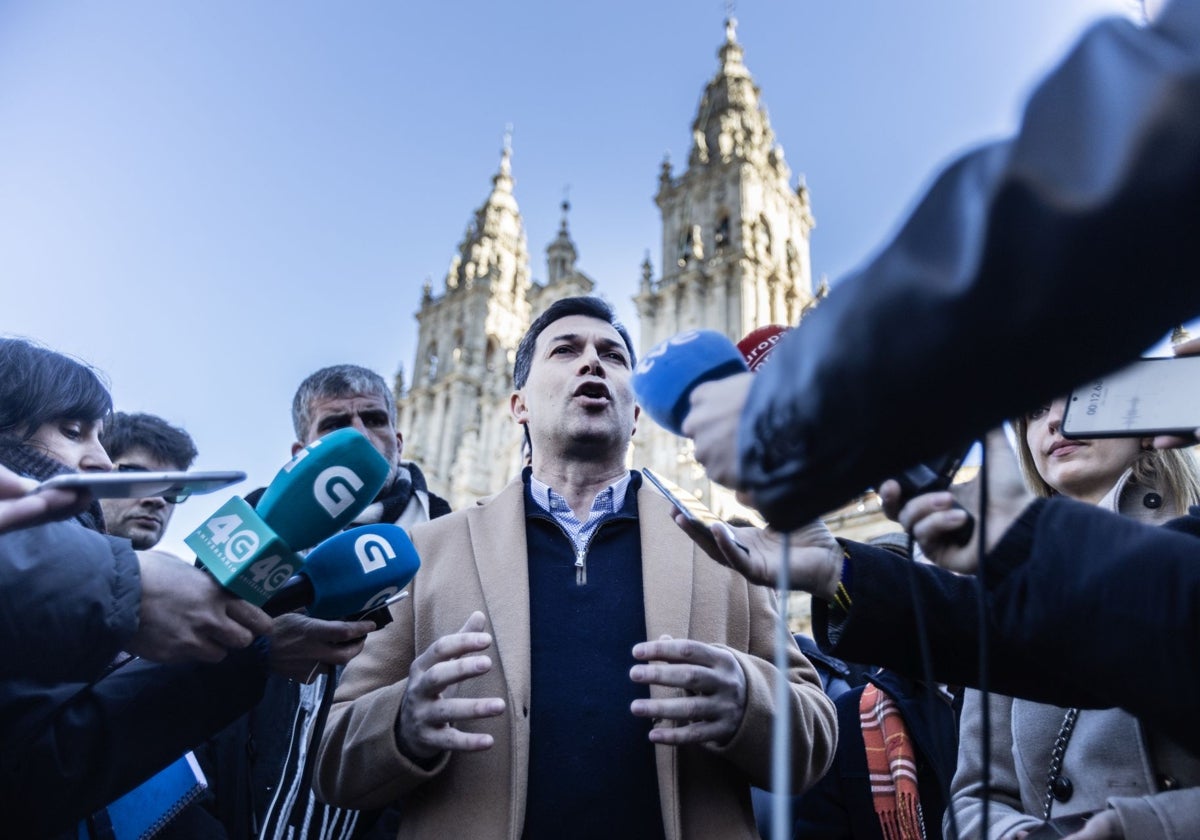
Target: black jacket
x,y
1027,267
69,601
67,749
73,737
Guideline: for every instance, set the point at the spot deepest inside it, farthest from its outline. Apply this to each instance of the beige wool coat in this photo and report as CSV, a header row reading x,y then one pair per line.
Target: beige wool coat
x,y
476,560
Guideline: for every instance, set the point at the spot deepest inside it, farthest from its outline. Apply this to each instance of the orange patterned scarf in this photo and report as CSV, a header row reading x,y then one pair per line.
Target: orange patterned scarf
x,y
892,765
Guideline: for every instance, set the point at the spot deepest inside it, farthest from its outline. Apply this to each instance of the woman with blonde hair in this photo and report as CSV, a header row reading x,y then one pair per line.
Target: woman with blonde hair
x,y
1049,762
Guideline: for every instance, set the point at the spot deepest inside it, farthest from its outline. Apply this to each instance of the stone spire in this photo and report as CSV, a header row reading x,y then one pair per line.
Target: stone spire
x,y
456,403
563,277
493,244
561,253
731,123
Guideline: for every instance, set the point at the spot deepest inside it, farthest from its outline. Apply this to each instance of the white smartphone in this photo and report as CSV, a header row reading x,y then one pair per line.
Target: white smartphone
x,y
1159,396
138,485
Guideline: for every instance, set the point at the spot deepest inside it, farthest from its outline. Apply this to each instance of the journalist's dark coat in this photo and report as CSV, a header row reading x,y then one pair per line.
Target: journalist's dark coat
x,y
1027,267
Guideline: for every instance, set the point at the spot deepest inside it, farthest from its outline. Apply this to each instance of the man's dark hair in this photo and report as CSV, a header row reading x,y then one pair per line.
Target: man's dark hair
x,y
335,382
591,307
38,385
167,443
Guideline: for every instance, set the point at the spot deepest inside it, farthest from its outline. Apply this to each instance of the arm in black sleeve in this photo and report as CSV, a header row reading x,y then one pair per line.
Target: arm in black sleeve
x,y
1075,595
1012,281
1106,596
69,601
68,749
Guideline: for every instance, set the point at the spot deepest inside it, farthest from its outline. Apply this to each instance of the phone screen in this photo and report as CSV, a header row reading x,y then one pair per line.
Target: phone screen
x,y
1149,397
139,485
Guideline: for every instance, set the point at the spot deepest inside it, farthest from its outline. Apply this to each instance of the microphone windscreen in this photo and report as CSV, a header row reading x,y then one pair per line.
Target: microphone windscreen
x,y
759,343
242,552
359,569
322,489
665,377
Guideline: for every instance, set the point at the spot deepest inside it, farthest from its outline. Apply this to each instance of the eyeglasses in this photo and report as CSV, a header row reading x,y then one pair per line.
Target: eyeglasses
x,y
176,499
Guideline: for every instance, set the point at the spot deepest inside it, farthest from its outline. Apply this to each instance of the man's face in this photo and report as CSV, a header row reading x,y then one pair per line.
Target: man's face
x,y
578,399
368,414
141,521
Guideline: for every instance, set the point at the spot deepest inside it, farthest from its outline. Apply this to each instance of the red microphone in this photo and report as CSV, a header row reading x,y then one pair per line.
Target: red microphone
x,y
758,344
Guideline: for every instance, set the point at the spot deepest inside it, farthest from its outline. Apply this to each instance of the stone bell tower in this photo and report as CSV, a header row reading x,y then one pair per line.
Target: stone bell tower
x,y
735,244
455,415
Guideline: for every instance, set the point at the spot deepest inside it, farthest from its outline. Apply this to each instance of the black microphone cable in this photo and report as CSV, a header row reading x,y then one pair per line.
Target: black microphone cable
x,y
985,747
926,655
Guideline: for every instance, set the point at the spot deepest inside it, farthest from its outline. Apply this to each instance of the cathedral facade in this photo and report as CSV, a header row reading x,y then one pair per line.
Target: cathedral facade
x,y
735,256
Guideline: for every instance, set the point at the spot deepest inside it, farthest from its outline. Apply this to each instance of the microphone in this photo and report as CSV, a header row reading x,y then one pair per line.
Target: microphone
x,y
349,574
316,494
756,346
666,376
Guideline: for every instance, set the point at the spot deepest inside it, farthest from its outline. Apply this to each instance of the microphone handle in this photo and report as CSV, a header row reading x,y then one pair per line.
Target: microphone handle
x,y
297,592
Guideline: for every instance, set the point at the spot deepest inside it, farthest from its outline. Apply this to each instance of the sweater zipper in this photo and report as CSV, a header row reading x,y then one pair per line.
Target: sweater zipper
x,y
581,554
581,565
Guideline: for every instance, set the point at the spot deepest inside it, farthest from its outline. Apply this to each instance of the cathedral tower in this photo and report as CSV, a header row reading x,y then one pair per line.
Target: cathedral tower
x,y
455,415
735,243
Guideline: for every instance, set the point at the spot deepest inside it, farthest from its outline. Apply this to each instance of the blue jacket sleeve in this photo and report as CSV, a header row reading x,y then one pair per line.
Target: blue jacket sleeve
x,y
69,601
1027,267
67,749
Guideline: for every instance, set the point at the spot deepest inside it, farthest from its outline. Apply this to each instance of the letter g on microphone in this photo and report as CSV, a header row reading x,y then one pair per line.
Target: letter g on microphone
x,y
334,489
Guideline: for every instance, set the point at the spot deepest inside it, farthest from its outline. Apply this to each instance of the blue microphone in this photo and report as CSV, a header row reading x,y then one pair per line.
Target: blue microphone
x,y
666,376
350,573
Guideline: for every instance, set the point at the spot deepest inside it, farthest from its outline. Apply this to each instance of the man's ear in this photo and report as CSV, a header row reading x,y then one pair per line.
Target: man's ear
x,y
517,407
296,447
637,412
399,446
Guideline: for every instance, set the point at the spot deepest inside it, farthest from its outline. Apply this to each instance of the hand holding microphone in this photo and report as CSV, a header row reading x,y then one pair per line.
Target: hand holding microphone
x,y
696,383
354,576
187,615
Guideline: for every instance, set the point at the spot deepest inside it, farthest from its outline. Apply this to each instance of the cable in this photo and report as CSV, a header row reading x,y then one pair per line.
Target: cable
x,y
927,677
781,725
985,747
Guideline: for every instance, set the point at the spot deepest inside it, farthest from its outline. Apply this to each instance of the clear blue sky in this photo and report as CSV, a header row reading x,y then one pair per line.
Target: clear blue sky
x,y
209,200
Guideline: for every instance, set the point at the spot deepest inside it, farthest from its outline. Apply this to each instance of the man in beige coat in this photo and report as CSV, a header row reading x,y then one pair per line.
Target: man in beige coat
x,y
548,713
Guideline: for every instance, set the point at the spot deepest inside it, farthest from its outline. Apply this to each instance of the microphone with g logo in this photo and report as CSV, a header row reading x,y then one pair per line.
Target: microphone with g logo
x,y
253,552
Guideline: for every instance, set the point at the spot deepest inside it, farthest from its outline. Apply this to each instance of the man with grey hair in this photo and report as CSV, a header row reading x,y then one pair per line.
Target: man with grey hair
x,y
350,396
265,789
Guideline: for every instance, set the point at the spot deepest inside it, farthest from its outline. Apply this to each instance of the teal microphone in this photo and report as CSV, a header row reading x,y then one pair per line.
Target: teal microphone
x,y
252,553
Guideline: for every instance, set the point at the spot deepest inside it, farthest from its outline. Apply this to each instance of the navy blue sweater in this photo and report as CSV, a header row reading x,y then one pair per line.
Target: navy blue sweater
x,y
591,764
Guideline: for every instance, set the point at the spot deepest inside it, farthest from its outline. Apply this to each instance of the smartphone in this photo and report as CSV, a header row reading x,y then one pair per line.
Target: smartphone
x,y
138,485
1159,396
695,510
